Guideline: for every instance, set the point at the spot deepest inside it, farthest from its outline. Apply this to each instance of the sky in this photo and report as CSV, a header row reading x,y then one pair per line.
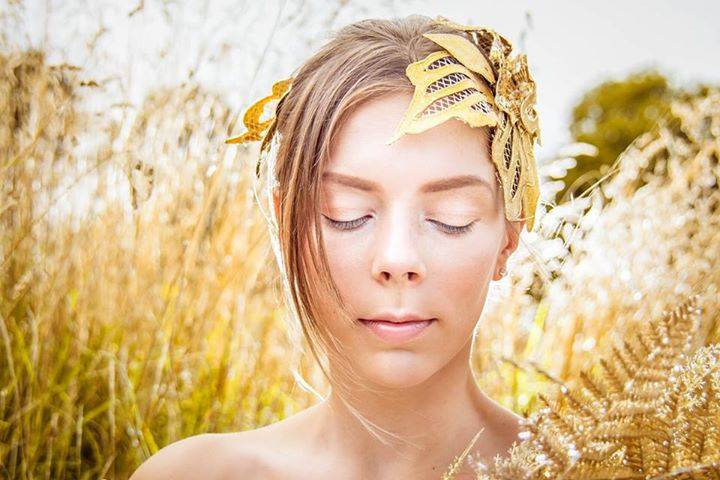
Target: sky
x,y
573,45
239,48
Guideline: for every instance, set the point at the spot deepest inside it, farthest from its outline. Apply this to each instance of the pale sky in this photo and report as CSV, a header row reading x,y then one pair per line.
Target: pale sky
x,y
571,44
574,44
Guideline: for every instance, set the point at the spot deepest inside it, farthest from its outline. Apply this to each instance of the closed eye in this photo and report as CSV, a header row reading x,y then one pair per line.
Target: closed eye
x,y
355,224
348,225
452,229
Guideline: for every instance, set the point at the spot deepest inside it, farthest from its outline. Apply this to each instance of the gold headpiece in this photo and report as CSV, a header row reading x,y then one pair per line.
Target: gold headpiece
x,y
473,78
251,119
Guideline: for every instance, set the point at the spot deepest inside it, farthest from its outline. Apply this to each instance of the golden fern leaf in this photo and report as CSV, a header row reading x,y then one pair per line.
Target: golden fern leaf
x,y
646,411
455,465
691,408
643,412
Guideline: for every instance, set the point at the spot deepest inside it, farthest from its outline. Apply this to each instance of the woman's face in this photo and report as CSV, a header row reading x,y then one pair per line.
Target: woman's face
x,y
416,227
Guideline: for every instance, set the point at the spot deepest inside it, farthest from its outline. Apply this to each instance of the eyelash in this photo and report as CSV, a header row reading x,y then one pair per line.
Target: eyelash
x,y
353,224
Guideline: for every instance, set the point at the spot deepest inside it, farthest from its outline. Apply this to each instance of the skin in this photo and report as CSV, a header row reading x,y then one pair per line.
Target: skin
x,y
397,257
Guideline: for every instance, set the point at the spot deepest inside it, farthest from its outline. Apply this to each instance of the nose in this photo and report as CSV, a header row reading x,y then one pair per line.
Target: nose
x,y
398,259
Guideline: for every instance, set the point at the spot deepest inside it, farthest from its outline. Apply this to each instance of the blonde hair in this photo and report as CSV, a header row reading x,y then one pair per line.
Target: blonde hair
x,y
361,61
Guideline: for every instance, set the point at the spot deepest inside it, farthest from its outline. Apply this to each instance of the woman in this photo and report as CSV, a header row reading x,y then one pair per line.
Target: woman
x,y
388,246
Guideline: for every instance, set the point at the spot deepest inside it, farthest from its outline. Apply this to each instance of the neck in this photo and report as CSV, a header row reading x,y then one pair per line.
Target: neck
x,y
431,422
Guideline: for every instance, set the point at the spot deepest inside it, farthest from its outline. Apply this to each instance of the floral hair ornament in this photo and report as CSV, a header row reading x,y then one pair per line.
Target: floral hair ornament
x,y
258,129
473,78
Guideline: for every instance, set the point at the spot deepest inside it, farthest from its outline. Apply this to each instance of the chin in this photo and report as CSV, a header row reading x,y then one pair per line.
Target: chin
x,y
398,369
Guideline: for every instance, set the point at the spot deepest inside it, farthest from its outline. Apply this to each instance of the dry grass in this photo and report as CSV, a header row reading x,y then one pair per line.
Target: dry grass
x,y
123,328
642,241
138,298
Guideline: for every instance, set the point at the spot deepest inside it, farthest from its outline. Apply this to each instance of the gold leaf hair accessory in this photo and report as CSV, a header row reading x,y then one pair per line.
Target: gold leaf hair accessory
x,y
474,79
256,127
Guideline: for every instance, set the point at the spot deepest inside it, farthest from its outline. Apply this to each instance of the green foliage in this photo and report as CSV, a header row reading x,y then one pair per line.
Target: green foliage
x,y
610,116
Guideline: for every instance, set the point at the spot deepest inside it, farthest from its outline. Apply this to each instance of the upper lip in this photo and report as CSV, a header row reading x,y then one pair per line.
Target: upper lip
x,y
397,317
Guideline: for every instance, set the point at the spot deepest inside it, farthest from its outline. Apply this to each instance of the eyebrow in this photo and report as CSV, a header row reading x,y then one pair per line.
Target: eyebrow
x,y
440,185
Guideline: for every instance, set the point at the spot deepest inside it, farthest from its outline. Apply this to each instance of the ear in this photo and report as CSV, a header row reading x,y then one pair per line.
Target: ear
x,y
511,241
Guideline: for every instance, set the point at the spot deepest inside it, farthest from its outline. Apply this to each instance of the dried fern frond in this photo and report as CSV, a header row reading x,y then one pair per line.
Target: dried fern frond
x,y
643,412
455,465
691,406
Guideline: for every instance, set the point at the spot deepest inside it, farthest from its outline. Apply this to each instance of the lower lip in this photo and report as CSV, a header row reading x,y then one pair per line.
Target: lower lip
x,y
397,332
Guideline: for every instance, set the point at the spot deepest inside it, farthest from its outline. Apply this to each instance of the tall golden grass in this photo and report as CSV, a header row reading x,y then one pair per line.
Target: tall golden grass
x,y
146,315
140,303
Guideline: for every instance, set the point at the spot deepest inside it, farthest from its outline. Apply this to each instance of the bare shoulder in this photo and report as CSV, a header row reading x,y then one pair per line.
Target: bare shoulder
x,y
509,420
211,456
502,430
508,425
278,450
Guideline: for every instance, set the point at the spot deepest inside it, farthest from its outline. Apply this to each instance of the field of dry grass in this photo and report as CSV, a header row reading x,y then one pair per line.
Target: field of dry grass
x,y
139,302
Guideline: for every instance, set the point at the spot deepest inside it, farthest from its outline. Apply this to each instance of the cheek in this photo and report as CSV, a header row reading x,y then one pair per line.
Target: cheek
x,y
345,264
347,259
463,272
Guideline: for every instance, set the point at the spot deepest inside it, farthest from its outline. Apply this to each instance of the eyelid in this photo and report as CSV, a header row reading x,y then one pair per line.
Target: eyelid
x,y
349,225
342,224
454,229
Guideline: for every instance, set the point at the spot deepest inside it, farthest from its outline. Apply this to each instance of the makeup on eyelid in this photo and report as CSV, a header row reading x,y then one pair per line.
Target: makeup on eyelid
x,y
451,218
357,223
474,194
458,217
450,211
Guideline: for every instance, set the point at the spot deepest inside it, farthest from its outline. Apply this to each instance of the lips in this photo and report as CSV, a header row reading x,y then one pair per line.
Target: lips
x,y
396,331
397,316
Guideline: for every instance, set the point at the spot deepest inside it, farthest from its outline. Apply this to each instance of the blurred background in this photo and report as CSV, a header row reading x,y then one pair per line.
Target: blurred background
x,y
139,300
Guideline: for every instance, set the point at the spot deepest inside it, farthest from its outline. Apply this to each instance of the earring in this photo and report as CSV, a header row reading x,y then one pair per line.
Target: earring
x,y
503,271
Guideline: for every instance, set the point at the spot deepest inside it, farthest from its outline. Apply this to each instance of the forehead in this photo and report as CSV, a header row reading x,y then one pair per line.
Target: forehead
x,y
449,149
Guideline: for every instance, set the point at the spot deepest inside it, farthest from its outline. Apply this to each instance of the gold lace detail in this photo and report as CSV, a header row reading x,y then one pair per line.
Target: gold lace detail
x,y
474,79
456,82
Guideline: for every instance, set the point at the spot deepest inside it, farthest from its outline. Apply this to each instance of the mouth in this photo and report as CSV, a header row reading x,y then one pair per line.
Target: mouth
x,y
397,332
